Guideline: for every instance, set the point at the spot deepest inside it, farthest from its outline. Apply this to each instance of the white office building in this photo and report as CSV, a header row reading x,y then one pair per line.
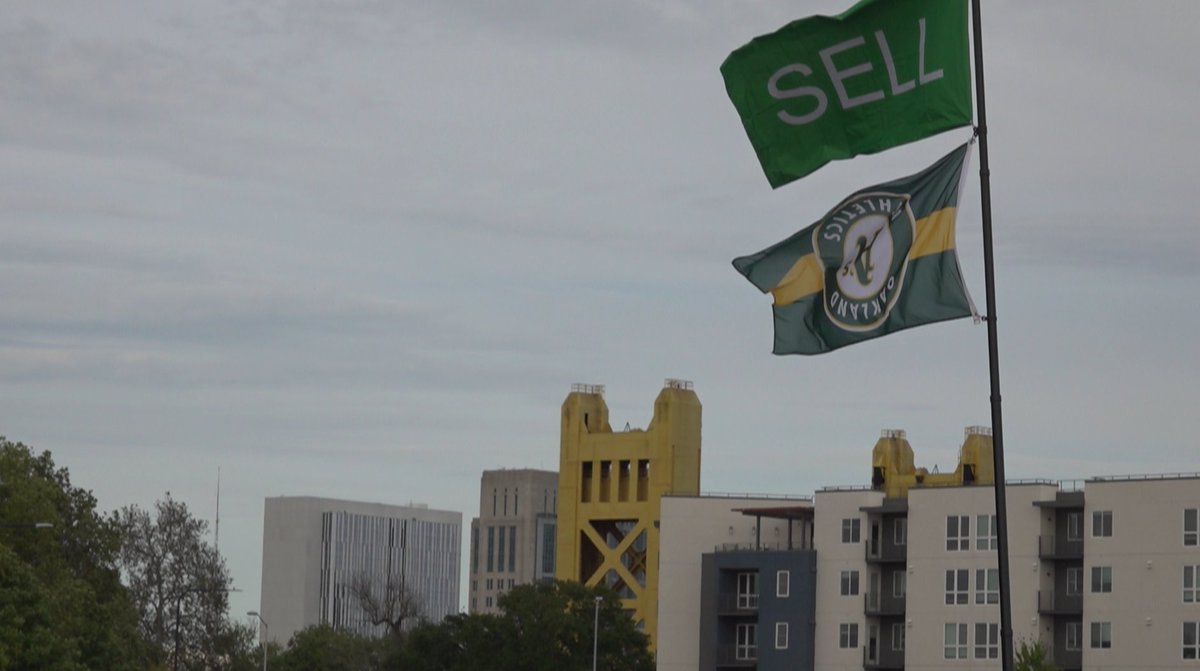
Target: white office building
x,y
316,550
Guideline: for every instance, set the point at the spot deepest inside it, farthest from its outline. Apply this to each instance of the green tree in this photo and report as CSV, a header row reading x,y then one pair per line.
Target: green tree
x,y
325,648
180,585
542,627
1032,656
62,605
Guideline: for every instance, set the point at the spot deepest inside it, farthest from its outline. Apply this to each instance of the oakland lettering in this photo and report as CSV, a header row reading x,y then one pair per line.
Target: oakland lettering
x,y
842,71
862,310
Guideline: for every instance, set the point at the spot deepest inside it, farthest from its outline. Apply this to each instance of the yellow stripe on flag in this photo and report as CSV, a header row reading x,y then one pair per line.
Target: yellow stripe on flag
x,y
935,233
805,277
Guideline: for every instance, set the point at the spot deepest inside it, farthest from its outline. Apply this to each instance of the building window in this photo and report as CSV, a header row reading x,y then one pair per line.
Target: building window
x,y
1074,636
549,532
1074,581
957,587
987,585
958,533
781,635
747,590
900,531
849,583
1101,635
512,549
898,636
500,554
747,641
985,532
489,583
1102,523
851,530
488,602
475,550
848,635
1191,640
1101,579
1191,526
955,641
987,640
899,584
1075,526
783,583
1191,584
490,548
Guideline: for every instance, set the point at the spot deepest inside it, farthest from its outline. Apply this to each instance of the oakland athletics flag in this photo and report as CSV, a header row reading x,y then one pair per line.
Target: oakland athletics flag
x,y
883,73
883,260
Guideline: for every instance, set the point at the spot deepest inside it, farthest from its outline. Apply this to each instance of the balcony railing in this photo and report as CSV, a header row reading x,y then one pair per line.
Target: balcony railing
x,y
1051,602
733,603
883,658
1051,546
884,553
882,604
737,656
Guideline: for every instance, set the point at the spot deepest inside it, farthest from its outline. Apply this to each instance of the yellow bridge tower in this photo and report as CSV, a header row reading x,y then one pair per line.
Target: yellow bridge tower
x,y
609,488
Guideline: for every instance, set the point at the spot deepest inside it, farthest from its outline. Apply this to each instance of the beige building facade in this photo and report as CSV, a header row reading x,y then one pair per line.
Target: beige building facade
x,y
513,539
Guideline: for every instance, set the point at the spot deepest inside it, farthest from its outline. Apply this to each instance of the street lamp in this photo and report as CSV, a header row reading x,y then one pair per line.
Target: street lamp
x,y
596,631
254,613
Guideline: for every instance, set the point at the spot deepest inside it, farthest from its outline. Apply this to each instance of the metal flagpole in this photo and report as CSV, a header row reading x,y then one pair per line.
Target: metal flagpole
x,y
985,195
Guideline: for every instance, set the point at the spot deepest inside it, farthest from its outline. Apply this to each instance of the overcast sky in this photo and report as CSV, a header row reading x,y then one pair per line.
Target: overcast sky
x,y
362,249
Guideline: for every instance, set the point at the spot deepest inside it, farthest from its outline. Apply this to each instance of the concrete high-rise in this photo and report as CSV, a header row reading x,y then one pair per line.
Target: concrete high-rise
x,y
317,551
513,539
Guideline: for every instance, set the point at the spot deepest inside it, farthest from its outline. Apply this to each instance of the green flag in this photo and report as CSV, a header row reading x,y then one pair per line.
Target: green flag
x,y
883,260
884,73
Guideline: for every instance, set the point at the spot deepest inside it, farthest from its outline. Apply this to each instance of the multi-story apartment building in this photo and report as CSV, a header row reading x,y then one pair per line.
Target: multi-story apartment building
x,y
1106,576
317,553
720,542
513,539
609,488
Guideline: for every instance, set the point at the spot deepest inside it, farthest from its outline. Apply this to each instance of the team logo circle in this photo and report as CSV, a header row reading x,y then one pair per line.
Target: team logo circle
x,y
863,246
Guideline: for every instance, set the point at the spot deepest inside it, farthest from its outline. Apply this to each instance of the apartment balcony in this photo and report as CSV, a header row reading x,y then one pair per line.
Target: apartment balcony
x,y
737,605
876,604
885,658
1051,602
1051,546
882,553
1067,660
737,657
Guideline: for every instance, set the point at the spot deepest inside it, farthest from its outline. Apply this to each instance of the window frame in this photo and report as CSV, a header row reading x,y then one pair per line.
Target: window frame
x,y
900,531
985,542
848,635
1102,524
849,583
747,590
746,641
783,583
1102,581
958,533
781,634
1100,636
898,634
1074,526
987,586
1075,580
1191,583
1074,631
958,586
851,530
899,585
1191,537
989,648
1193,646
954,641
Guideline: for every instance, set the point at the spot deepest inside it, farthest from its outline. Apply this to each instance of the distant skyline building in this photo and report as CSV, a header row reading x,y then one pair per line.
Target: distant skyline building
x,y
316,549
610,486
513,539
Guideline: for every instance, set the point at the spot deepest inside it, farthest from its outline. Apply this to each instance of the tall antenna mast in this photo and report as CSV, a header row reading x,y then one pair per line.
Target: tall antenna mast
x,y
217,533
